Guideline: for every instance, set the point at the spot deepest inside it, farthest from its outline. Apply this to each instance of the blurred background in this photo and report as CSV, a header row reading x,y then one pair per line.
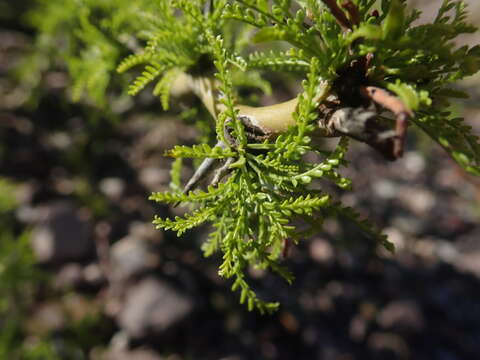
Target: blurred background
x,y
84,275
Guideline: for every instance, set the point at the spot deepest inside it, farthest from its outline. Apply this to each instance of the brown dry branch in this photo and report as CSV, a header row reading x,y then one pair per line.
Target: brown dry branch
x,y
338,14
397,107
352,11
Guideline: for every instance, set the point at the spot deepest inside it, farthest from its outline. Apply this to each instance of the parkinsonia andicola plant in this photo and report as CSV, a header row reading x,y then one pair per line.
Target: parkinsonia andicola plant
x,y
367,70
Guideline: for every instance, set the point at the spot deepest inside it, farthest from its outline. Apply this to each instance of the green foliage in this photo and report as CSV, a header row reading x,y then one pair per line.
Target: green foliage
x,y
7,195
17,267
17,278
170,44
18,275
419,63
21,282
270,185
200,151
281,61
253,210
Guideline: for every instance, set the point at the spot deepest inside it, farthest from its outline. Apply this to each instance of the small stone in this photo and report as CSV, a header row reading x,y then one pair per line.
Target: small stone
x,y
469,262
69,276
152,306
408,224
47,317
358,328
256,272
62,234
59,140
27,214
447,251
401,314
145,230
414,163
154,178
79,307
417,200
93,274
321,251
119,341
132,256
324,302
289,322
425,248
385,189
389,342
137,354
112,187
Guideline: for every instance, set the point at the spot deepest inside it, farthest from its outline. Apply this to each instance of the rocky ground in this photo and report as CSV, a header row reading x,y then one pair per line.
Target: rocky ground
x,y
118,289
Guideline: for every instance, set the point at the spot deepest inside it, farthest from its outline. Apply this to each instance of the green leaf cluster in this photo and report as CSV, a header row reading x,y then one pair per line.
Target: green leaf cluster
x,y
252,212
419,63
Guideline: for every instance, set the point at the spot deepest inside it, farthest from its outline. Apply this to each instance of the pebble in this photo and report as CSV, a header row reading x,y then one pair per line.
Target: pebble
x,y
61,235
132,256
152,306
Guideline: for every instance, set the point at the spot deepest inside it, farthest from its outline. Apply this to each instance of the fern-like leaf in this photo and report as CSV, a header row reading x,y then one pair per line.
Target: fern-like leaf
x,y
200,151
192,196
181,225
150,73
162,88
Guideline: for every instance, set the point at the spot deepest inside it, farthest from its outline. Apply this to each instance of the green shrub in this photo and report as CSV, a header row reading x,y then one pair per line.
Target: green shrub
x,y
366,70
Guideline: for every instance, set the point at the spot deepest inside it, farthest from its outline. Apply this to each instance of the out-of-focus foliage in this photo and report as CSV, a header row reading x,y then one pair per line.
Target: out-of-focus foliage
x,y
18,279
7,195
87,36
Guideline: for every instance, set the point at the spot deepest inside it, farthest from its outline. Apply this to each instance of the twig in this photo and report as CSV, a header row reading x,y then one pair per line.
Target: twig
x,y
352,10
368,63
361,124
338,13
220,172
207,7
397,107
201,171
286,247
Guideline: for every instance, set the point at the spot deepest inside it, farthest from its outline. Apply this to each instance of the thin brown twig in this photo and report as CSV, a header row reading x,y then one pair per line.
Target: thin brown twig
x,y
286,247
368,62
352,10
338,13
397,107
